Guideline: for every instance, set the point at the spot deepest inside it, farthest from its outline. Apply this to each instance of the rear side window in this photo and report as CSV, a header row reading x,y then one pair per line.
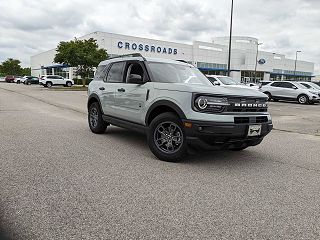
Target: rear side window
x,y
275,84
286,85
101,72
115,74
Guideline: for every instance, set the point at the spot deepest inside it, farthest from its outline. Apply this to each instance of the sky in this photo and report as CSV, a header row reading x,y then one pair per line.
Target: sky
x,y
29,27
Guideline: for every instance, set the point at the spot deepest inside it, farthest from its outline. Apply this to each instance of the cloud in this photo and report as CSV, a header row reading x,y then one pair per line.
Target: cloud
x,y
38,25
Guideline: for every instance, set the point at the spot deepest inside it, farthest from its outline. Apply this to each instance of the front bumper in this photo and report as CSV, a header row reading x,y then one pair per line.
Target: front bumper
x,y
314,99
217,135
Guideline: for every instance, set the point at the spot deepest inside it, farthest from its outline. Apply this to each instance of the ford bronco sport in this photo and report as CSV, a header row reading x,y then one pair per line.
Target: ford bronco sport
x,y
175,105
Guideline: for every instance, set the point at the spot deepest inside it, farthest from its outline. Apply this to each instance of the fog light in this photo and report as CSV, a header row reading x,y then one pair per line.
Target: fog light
x,y
188,125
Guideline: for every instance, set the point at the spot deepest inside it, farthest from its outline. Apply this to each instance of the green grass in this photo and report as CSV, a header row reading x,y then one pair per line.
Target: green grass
x,y
73,88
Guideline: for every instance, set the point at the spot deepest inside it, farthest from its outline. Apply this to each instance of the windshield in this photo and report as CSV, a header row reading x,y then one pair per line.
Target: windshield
x,y
313,85
177,73
228,81
300,86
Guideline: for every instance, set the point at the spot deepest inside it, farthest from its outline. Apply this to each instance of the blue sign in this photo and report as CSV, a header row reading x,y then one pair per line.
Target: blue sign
x,y
147,48
262,61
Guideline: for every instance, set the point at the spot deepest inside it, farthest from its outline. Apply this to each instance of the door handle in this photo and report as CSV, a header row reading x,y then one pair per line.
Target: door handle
x,y
102,88
121,90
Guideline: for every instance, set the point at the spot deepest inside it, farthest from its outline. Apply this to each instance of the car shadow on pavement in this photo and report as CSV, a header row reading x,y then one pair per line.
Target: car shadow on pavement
x,y
197,157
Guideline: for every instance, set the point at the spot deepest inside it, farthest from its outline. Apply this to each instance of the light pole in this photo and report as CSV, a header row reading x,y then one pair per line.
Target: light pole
x,y
230,37
295,65
255,68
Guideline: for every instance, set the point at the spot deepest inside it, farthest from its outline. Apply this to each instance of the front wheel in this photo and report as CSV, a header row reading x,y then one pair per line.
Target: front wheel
x,y
69,84
96,122
303,99
166,138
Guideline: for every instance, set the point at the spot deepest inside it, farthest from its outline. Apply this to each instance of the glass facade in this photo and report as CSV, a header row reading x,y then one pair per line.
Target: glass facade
x,y
289,75
249,76
63,72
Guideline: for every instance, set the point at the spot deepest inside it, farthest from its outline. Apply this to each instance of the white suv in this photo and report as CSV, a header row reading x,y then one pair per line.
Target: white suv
x,y
176,106
292,91
51,80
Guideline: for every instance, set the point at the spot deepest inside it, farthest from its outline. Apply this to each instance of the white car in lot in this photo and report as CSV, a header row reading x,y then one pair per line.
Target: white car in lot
x,y
228,82
52,80
290,91
311,86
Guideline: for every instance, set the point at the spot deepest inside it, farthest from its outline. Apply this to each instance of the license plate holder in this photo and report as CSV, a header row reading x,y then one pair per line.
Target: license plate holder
x,y
254,130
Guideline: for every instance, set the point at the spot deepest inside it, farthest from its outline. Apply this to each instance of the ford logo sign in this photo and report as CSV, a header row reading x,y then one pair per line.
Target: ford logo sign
x,y
262,61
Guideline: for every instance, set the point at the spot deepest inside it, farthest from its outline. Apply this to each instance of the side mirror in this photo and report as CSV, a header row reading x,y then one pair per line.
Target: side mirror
x,y
135,78
294,87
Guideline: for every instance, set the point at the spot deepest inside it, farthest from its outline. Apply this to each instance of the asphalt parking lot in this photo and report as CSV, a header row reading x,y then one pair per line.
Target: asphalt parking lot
x,y
60,181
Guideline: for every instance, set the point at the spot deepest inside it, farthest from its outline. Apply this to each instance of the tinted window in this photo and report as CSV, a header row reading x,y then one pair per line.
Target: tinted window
x,y
286,85
275,84
116,73
50,77
306,85
264,83
101,72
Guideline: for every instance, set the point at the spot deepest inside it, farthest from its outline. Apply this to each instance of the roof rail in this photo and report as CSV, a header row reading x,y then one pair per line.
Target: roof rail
x,y
129,55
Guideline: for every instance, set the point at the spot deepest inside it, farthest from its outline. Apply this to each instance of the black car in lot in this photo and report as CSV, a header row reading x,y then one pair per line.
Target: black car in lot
x,y
31,80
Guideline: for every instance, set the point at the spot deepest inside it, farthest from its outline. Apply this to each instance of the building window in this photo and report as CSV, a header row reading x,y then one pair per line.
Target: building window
x,y
63,72
249,76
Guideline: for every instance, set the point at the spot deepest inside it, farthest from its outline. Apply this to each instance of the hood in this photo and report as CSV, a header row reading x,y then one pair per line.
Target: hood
x,y
214,90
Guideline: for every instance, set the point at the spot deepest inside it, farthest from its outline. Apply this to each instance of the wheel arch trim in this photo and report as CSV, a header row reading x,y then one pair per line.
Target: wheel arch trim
x,y
165,103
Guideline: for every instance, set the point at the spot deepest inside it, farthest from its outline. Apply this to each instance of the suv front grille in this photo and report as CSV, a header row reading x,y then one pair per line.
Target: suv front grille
x,y
246,120
247,105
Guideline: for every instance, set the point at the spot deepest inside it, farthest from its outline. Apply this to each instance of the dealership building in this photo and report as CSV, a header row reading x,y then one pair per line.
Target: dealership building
x,y
209,57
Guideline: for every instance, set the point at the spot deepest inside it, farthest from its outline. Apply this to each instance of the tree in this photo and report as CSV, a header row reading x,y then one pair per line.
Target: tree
x,y
82,54
11,67
25,71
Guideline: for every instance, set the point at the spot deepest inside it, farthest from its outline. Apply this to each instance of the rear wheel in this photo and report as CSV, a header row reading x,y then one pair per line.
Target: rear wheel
x,y
166,138
28,83
96,122
303,99
48,84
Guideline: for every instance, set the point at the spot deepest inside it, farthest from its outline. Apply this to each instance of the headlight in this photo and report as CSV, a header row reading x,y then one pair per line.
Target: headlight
x,y
210,104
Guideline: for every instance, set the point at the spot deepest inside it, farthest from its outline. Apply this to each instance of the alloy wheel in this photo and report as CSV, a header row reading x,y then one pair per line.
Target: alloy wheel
x,y
94,117
168,137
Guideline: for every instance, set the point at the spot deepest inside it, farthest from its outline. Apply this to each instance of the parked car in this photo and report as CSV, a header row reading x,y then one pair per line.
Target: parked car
x,y
19,79
264,82
291,91
175,105
311,86
9,79
28,80
52,80
226,81
253,85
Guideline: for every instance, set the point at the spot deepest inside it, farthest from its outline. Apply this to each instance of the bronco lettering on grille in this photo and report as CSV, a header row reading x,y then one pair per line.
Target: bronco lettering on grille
x,y
251,105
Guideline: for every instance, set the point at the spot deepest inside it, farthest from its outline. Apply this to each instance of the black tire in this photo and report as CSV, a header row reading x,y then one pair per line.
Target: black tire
x,y
269,96
96,123
68,84
28,83
173,137
303,99
48,84
18,82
